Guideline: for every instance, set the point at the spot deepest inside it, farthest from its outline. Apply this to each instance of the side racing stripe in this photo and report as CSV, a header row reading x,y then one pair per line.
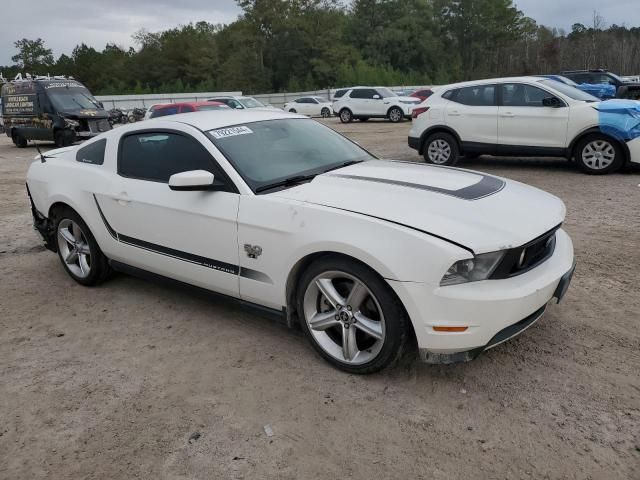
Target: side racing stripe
x,y
184,256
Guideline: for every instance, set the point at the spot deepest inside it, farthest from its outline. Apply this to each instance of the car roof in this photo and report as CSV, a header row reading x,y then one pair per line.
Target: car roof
x,y
187,104
212,119
488,81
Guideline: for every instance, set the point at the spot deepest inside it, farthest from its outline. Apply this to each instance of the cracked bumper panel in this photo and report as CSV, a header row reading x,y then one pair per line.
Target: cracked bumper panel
x,y
485,307
634,150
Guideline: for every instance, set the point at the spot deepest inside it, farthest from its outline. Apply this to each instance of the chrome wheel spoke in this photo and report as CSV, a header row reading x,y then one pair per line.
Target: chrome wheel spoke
x,y
72,257
325,285
368,326
322,321
68,236
349,343
357,296
83,248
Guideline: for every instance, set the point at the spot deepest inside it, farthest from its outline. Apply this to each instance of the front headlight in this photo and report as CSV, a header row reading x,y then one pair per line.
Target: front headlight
x,y
71,123
473,269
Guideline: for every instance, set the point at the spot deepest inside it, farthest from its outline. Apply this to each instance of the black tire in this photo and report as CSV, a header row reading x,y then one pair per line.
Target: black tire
x,y
452,145
99,264
19,140
63,138
292,110
363,119
591,164
346,116
395,115
396,323
325,112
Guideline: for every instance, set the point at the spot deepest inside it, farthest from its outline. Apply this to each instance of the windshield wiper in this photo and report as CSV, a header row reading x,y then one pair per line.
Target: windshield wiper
x,y
287,182
342,165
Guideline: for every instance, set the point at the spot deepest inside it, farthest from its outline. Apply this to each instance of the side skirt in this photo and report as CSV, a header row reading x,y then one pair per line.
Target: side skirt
x,y
279,315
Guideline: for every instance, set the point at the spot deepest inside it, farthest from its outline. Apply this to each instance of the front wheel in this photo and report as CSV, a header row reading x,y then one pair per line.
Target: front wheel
x,y
396,115
325,112
597,155
351,316
78,250
441,149
292,110
19,140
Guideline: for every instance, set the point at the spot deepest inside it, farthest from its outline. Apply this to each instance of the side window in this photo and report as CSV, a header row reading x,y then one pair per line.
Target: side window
x,y
92,153
602,78
581,78
476,96
339,93
358,93
521,95
155,156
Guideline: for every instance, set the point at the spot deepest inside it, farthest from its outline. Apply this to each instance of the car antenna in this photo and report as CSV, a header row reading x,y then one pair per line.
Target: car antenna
x,y
43,159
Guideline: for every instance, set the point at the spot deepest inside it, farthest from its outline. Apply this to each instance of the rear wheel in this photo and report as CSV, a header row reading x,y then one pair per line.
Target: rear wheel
x,y
351,316
597,155
292,110
395,115
346,116
78,250
441,149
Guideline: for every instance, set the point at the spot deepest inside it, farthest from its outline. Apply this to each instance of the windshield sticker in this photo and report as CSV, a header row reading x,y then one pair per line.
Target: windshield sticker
x,y
230,132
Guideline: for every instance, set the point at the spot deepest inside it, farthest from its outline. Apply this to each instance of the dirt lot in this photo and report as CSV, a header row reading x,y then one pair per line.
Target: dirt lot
x,y
116,382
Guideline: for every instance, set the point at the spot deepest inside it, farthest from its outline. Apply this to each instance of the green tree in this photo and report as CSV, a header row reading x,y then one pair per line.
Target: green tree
x,y
32,57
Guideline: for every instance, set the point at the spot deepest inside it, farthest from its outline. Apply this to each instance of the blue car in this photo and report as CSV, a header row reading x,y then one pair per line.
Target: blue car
x,y
603,91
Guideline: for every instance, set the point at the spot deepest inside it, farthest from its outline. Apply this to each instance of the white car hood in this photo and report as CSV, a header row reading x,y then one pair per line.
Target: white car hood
x,y
408,99
480,212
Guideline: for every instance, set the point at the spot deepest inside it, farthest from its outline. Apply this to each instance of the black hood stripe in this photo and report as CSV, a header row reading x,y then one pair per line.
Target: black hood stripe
x,y
485,187
184,256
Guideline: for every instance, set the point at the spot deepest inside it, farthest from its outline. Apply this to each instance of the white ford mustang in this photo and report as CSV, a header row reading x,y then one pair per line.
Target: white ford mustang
x,y
281,212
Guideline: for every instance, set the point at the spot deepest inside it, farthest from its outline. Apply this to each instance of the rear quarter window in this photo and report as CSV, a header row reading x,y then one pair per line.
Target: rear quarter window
x,y
92,153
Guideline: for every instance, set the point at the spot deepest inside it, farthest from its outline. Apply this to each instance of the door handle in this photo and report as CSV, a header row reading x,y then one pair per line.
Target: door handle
x,y
122,198
454,113
507,114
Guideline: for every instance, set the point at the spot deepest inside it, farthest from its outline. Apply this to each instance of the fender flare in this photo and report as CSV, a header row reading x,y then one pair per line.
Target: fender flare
x,y
436,129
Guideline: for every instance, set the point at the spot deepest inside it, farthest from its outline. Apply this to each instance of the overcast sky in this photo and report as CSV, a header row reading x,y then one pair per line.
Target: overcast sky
x,y
64,24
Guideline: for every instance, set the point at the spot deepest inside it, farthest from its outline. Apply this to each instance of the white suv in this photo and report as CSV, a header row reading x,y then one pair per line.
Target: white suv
x,y
363,103
526,116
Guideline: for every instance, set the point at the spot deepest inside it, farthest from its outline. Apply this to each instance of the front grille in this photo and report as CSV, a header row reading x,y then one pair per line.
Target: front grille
x,y
519,260
99,126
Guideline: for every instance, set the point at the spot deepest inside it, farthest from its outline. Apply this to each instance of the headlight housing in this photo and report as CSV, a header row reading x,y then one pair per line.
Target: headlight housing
x,y
473,269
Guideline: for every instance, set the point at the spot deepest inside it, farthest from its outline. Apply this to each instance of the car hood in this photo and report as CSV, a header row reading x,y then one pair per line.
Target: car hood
x,y
480,212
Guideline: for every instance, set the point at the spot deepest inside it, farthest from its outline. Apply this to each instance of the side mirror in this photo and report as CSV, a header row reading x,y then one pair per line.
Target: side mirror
x,y
101,105
553,102
193,180
238,107
376,97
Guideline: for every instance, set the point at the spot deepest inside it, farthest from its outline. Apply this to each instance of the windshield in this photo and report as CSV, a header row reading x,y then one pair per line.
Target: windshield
x,y
569,91
249,102
618,79
72,99
268,152
385,92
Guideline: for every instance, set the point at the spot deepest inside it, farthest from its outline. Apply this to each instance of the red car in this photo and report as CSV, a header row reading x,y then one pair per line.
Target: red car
x,y
184,107
422,93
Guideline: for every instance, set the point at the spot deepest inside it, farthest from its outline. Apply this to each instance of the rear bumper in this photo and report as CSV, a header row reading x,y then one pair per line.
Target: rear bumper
x,y
492,310
414,143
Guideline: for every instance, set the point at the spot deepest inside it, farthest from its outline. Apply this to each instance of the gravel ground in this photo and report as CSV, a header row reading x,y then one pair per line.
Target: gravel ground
x,y
137,380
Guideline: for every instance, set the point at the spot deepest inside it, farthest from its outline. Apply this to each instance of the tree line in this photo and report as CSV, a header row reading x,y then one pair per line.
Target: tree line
x,y
293,45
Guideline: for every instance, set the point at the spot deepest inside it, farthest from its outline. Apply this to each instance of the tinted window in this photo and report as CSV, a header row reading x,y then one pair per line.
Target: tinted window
x,y
92,153
521,95
477,96
580,77
363,93
602,78
339,93
158,155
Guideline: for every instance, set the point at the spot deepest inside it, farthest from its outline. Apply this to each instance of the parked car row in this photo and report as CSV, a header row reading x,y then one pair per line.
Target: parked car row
x,y
526,116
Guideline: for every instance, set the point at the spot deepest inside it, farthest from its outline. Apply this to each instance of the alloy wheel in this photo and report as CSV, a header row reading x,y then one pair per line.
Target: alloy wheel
x,y
74,248
439,151
344,317
395,115
598,154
